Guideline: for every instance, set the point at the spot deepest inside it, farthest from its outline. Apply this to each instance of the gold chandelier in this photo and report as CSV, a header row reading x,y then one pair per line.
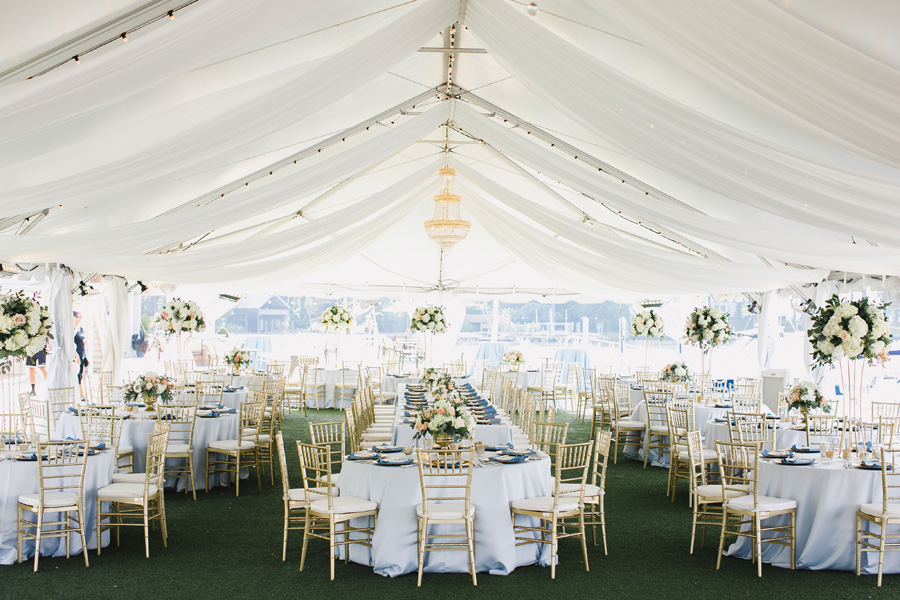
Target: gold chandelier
x,y
447,227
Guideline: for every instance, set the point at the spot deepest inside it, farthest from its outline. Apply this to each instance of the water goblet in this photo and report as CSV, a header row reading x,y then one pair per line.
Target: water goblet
x,y
845,454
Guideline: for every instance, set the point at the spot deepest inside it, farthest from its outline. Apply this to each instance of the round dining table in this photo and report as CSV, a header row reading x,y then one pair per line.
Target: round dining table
x,y
703,414
21,477
828,497
135,433
397,491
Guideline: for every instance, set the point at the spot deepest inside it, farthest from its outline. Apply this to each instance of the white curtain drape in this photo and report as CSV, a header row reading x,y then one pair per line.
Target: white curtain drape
x,y
117,326
60,361
685,143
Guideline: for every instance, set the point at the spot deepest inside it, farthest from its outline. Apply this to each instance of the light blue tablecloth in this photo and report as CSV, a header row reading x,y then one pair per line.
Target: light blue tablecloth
x,y
492,352
573,355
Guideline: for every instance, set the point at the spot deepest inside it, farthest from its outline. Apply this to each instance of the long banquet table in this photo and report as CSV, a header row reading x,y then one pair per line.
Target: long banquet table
x,y
397,492
21,477
487,433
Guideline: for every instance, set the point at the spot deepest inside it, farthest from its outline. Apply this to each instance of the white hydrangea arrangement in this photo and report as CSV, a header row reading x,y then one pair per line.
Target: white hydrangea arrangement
x,y
447,415
853,329
675,372
647,323
707,327
24,326
428,318
337,318
180,316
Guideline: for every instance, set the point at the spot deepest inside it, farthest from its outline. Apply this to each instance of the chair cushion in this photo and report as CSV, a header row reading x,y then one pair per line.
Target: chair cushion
x,y
707,455
248,431
231,445
714,491
629,424
299,495
178,448
446,510
570,490
50,499
766,503
130,478
659,429
125,491
544,504
876,510
343,505
263,438
122,450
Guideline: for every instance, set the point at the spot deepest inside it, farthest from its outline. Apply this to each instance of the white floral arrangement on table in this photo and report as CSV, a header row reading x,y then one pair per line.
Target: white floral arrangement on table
x,y
675,372
707,327
337,318
443,386
237,358
430,378
513,358
806,396
180,316
446,415
428,318
647,323
24,326
854,329
149,387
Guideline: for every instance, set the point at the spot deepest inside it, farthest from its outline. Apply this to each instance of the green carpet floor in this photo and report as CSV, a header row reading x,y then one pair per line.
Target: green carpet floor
x,y
226,547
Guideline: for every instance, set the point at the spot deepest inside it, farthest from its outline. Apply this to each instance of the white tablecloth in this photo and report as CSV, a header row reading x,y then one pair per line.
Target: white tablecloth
x,y
390,384
234,399
18,478
827,500
397,491
331,377
702,414
784,437
135,433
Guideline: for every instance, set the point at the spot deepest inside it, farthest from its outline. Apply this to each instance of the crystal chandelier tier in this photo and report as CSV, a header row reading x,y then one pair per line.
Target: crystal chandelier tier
x,y
447,227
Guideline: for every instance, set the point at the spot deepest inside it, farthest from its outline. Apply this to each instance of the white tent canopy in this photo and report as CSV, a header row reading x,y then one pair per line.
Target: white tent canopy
x,y
602,149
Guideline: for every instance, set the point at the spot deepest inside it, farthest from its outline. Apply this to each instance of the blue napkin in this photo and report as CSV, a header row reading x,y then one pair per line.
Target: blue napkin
x,y
803,449
408,414
767,454
497,448
514,452
874,464
797,461
488,421
723,406
394,463
166,417
228,410
720,420
386,448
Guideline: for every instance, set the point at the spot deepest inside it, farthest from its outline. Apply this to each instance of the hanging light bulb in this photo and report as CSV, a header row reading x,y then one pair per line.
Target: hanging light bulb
x,y
532,8
447,227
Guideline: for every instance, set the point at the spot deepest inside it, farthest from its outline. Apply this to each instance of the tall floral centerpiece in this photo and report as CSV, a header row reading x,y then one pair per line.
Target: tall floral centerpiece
x,y
445,419
150,388
428,319
180,318
805,396
337,318
237,359
707,327
647,324
850,334
24,330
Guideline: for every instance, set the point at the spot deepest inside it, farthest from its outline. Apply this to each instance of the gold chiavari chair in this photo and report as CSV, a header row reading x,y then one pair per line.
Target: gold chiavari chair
x,y
278,367
757,430
138,503
181,419
885,409
28,424
185,395
354,435
294,499
262,434
106,382
445,477
566,387
210,393
295,395
546,388
656,430
707,499
680,420
347,386
42,422
743,515
584,386
59,400
782,403
566,504
595,491
625,431
330,434
822,428
230,456
548,437
13,431
880,514
61,468
325,514
314,386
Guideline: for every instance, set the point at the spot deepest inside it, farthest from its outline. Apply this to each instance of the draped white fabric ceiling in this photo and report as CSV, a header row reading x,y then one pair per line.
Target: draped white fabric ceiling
x,y
603,149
